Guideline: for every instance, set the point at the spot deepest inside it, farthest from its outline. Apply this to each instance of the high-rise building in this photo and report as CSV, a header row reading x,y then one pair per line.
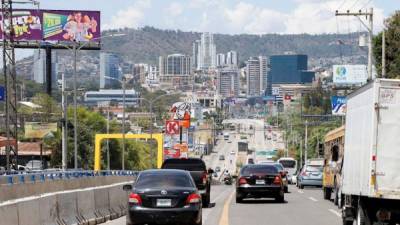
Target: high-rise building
x,y
140,71
175,69
256,75
195,54
39,67
206,52
221,60
109,67
228,82
232,58
289,69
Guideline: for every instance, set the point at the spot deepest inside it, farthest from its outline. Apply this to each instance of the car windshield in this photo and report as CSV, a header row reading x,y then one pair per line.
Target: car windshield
x,y
314,169
259,169
288,163
279,166
163,180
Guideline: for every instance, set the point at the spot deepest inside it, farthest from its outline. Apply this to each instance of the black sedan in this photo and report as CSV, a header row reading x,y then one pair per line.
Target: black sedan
x,y
164,197
260,181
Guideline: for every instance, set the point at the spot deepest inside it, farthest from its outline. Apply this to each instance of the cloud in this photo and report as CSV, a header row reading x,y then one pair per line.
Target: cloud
x,y
175,9
131,17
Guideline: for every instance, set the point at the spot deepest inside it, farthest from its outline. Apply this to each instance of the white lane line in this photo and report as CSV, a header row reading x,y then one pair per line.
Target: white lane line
x,y
313,199
301,192
338,214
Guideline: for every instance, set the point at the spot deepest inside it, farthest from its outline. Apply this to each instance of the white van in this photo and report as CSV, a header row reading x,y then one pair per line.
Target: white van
x,y
290,166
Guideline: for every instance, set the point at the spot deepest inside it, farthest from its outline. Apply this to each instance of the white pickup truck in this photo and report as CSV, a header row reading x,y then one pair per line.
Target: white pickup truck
x,y
370,190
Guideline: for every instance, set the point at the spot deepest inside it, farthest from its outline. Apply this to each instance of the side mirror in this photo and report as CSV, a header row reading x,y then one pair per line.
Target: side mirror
x,y
210,171
127,187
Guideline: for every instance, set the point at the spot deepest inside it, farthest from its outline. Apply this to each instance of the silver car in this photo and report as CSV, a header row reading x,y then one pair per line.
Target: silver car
x,y
310,176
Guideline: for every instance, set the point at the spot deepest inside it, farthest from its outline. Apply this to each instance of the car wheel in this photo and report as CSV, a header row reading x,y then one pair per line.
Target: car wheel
x,y
281,197
327,193
239,198
197,223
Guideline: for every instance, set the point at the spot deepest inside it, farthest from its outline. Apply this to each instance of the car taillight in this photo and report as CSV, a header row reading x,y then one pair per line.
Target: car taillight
x,y
135,199
242,180
193,199
277,180
204,178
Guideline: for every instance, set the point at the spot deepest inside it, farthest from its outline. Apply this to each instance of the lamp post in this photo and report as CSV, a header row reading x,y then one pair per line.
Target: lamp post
x,y
75,48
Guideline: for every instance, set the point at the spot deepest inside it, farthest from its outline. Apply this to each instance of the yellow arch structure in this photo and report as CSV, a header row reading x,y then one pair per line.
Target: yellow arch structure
x,y
100,137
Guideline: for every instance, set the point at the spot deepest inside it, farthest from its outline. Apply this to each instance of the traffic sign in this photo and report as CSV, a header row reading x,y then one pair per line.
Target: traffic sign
x,y
2,93
172,127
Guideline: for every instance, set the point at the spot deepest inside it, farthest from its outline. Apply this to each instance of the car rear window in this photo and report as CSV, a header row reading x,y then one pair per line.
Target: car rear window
x,y
288,163
163,180
314,169
259,169
185,164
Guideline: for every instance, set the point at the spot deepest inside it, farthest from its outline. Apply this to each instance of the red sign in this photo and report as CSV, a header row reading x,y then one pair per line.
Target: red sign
x,y
288,97
172,127
172,153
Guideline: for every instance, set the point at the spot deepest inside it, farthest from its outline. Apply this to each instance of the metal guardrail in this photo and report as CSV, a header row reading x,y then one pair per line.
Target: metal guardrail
x,y
43,176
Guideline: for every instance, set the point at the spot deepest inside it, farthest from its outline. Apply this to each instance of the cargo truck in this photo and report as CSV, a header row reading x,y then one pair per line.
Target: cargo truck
x,y
371,168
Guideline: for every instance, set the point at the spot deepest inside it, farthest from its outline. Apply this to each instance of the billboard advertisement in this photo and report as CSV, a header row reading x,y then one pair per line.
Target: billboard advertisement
x,y
55,25
350,74
39,130
338,105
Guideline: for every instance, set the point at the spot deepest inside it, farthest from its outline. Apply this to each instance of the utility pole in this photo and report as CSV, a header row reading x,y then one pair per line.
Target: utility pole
x,y
383,54
369,16
123,122
65,123
305,144
75,111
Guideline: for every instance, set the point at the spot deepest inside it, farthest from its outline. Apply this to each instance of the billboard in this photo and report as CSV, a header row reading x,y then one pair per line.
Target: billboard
x,y
39,130
350,74
338,105
55,25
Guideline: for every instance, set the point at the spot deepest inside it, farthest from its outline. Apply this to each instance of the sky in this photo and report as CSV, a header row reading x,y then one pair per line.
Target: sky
x,y
233,16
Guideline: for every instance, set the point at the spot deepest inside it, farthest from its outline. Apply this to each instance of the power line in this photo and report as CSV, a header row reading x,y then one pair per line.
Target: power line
x,y
366,4
355,3
341,5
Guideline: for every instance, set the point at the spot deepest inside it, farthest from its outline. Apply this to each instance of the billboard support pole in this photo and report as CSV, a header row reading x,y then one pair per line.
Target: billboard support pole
x,y
75,111
48,70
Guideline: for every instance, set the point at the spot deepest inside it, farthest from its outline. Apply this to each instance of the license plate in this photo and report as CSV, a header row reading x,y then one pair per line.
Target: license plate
x,y
163,202
260,181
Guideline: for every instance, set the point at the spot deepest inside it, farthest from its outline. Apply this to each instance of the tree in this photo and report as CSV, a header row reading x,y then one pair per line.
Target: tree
x,y
392,31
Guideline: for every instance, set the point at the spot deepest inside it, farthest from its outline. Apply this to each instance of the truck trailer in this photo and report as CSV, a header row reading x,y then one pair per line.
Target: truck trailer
x,y
371,168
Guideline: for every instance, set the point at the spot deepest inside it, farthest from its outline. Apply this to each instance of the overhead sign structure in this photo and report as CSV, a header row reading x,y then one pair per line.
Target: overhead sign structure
x,y
275,90
172,127
339,104
2,93
350,74
55,25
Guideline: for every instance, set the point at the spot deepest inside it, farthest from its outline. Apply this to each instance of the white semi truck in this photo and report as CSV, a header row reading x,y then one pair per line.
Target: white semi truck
x,y
370,190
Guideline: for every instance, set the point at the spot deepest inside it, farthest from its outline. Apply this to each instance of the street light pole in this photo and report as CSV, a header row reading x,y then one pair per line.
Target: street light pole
x,y
123,122
65,124
75,111
108,142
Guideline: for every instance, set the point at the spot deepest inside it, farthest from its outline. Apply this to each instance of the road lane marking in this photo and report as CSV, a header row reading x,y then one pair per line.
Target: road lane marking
x,y
313,199
225,212
338,214
301,192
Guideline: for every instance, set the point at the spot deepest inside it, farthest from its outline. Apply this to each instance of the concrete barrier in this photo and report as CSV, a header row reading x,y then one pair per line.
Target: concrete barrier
x,y
28,212
67,208
81,206
9,214
48,212
86,207
102,204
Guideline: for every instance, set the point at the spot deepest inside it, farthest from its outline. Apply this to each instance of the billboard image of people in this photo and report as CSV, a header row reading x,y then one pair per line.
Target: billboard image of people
x,y
54,25
27,25
78,26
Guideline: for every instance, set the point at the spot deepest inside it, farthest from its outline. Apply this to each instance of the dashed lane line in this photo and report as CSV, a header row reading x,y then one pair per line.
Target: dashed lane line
x,y
338,214
313,199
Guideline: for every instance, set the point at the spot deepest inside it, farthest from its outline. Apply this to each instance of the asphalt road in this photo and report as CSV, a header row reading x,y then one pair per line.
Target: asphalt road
x,y
302,207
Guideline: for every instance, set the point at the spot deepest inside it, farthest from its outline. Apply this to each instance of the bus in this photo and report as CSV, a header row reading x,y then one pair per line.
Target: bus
x,y
290,165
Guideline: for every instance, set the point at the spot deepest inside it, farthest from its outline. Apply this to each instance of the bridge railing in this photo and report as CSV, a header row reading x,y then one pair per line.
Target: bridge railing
x,y
45,176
